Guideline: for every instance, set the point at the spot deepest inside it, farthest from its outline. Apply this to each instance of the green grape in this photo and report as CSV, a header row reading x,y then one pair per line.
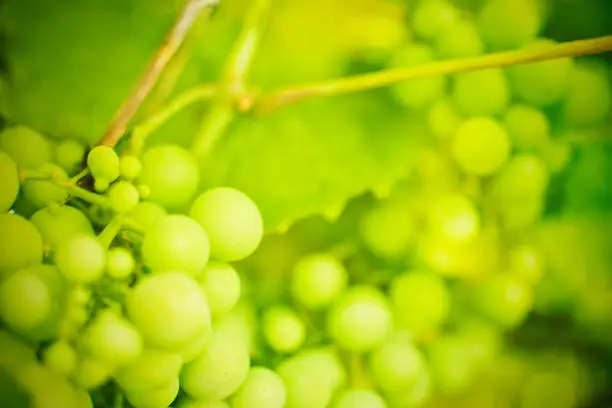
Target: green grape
x,y
27,147
147,213
262,388
527,127
360,319
20,243
557,155
221,283
171,173
414,396
240,322
480,146
151,369
9,182
454,216
509,24
113,339
357,398
120,263
416,93
527,263
541,83
144,190
91,373
232,221
458,40
396,364
195,347
421,300
168,309
103,163
42,192
588,98
523,179
311,378
101,185
160,396
317,280
81,258
283,329
176,242
123,196
130,167
60,357
433,16
219,371
481,93
47,389
505,299
25,300
443,118
69,155
59,223
189,403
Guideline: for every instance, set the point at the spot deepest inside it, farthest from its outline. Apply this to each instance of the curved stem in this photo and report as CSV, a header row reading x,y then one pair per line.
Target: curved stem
x,y
289,95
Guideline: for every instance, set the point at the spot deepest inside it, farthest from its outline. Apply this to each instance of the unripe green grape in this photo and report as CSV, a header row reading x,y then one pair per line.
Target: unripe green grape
x,y
20,243
130,167
171,173
283,329
25,300
524,178
231,220
458,40
443,118
416,93
509,24
57,224
317,280
160,396
103,163
60,357
43,192
414,396
101,185
69,155
168,309
451,362
433,16
176,242
191,403
195,347
47,389
421,300
120,263
527,127
505,299
91,373
123,196
262,388
221,283
480,146
481,93
147,213
557,155
587,101
527,263
454,216
28,148
396,364
113,339
81,258
360,319
9,182
144,190
151,369
541,83
358,398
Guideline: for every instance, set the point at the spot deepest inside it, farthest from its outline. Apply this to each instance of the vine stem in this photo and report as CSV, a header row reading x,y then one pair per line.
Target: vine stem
x,y
171,43
285,96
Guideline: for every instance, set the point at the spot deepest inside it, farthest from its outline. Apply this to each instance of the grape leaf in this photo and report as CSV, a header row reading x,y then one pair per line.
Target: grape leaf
x,y
71,63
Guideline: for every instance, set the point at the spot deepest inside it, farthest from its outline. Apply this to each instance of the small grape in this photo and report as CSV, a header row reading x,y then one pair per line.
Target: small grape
x,y
113,339
130,167
147,213
527,127
283,329
101,185
28,148
176,242
588,98
69,155
160,396
458,40
120,263
357,398
505,299
455,217
527,263
60,357
171,173
9,182
443,118
59,223
432,17
509,24
81,258
195,347
20,243
451,363
317,280
481,93
262,388
151,369
397,364
360,319
557,155
103,163
221,284
231,220
523,179
480,146
91,373
168,309
123,196
42,192
25,300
